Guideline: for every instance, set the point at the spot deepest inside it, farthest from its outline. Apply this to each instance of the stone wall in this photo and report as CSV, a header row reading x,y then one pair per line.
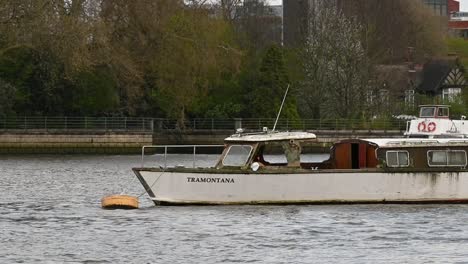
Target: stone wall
x,y
16,143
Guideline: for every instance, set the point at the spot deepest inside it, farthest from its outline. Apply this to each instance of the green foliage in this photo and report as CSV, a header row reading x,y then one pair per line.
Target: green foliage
x,y
194,55
95,93
36,77
459,46
7,93
41,88
225,100
264,99
168,59
16,64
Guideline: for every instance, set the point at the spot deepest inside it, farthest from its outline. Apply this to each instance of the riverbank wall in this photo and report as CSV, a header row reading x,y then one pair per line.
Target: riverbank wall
x,y
59,142
124,142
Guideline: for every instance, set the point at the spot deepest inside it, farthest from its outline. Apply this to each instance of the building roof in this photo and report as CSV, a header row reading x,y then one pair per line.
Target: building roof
x,y
396,77
435,72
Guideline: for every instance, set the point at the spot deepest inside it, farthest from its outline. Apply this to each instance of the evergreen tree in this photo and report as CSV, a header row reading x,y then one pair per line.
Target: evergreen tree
x,y
266,97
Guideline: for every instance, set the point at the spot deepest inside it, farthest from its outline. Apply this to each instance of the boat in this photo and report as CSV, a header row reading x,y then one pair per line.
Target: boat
x,y
392,170
434,122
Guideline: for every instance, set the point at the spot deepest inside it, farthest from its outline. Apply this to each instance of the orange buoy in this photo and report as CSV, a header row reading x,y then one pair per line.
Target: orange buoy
x,y
119,202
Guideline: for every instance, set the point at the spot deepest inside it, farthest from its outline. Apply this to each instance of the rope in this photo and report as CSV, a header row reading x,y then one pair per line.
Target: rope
x,y
124,189
151,186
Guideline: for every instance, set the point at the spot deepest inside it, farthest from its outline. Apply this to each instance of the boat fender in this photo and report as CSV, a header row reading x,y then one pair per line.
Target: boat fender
x,y
119,202
255,166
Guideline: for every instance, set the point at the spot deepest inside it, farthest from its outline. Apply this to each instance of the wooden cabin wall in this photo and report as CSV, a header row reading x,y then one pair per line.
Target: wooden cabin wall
x,y
362,156
372,160
343,158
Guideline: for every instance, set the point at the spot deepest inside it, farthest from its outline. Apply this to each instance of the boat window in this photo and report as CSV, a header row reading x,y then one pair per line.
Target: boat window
x,y
273,154
397,158
446,158
456,158
443,112
427,112
237,155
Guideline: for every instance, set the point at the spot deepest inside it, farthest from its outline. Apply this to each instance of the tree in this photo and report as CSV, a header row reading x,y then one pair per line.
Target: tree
x,y
7,93
389,27
195,51
94,93
266,95
37,79
335,65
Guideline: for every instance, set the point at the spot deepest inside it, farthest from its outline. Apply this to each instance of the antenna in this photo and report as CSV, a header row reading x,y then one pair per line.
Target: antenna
x,y
281,108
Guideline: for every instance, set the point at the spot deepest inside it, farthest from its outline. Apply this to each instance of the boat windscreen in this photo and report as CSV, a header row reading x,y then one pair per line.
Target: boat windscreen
x,y
427,112
237,155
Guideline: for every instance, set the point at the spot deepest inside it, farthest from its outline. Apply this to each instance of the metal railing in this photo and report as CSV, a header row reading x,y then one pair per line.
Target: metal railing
x,y
166,147
283,124
77,123
162,124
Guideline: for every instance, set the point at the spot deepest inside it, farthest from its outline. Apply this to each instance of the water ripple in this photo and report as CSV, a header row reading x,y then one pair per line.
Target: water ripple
x,y
50,213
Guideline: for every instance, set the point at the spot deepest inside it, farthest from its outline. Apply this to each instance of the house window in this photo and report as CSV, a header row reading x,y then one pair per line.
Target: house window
x,y
384,96
409,97
446,158
370,96
439,7
397,158
450,94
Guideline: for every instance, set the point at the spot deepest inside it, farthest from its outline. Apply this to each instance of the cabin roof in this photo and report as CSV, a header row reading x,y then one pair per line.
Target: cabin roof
x,y
270,136
434,106
405,142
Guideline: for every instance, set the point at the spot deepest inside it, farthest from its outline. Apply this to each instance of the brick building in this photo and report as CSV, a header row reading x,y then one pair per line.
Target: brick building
x,y
458,22
439,7
295,15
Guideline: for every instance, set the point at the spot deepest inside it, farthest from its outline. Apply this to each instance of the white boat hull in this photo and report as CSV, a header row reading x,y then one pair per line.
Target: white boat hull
x,y
314,187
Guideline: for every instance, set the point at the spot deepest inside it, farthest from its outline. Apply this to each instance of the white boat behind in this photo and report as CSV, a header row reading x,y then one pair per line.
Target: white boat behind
x,y
434,122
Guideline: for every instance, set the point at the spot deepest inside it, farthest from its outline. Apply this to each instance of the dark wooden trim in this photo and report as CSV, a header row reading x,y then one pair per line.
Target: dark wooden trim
x,y
286,170
332,202
144,183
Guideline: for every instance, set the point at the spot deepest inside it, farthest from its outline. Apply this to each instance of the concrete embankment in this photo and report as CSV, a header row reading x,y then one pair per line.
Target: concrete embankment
x,y
102,142
22,142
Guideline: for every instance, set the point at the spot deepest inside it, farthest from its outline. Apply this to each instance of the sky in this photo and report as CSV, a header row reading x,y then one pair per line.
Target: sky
x,y
463,4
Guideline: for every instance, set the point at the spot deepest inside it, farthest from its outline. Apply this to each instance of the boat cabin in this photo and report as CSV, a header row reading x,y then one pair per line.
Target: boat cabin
x,y
260,149
403,153
434,111
275,151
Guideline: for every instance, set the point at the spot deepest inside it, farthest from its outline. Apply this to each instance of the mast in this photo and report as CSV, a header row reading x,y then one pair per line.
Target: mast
x,y
281,108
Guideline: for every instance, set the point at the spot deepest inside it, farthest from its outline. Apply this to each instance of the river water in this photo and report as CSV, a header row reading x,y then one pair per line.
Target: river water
x,y
50,213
